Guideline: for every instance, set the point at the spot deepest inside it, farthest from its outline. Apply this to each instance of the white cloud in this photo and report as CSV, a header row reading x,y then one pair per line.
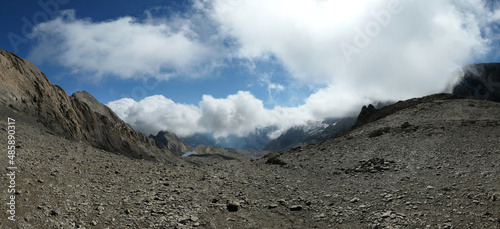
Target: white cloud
x,y
156,113
238,114
402,48
124,47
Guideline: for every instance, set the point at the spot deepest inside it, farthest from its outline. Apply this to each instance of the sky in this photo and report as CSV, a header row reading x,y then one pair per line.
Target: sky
x,y
229,67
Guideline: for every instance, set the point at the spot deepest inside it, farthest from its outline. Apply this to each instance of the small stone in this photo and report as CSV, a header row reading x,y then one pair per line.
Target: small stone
x,y
55,212
93,223
233,206
430,187
296,207
405,125
386,214
271,206
401,214
194,218
354,200
183,220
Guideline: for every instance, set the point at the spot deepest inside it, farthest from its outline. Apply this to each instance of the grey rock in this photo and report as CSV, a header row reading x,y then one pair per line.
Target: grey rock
x,y
233,206
295,207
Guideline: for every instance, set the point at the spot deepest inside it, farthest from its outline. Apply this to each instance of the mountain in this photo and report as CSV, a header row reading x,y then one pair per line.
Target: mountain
x,y
293,137
256,140
200,139
479,81
26,90
202,154
171,142
313,133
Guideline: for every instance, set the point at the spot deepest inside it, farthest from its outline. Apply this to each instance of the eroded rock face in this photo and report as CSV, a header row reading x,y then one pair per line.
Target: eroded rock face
x,y
27,90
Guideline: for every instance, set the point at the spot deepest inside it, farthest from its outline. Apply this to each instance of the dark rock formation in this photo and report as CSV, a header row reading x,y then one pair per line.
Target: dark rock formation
x,y
366,111
479,81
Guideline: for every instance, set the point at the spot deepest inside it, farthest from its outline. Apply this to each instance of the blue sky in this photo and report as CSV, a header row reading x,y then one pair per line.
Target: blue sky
x,y
233,66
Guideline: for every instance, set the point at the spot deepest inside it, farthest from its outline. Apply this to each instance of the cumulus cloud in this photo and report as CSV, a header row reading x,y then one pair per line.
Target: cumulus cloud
x,y
156,113
389,48
238,114
125,47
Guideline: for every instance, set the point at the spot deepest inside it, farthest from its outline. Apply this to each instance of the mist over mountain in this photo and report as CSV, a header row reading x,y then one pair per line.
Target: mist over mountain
x,y
260,139
256,140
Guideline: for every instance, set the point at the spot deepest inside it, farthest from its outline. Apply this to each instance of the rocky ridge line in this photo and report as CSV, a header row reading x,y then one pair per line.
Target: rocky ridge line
x,y
77,117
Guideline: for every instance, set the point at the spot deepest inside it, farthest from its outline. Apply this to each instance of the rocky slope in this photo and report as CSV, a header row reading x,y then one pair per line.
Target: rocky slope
x,y
428,163
26,90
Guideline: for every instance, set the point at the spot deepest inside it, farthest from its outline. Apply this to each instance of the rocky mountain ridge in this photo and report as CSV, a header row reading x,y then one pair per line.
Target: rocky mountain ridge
x,y
79,117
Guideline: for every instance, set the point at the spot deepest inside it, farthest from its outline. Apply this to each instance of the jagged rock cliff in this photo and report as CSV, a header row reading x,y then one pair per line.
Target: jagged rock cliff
x,y
479,81
27,90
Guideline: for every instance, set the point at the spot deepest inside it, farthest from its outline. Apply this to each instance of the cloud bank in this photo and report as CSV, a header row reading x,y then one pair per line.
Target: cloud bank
x,y
125,47
389,48
361,51
238,114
